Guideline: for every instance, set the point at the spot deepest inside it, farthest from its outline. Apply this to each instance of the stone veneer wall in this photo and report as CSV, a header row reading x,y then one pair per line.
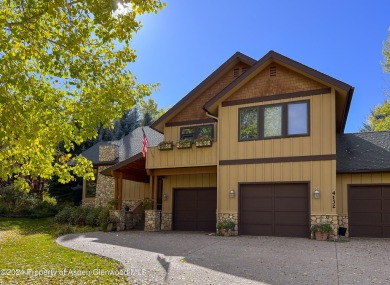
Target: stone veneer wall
x,y
105,188
166,221
90,203
152,220
343,222
230,216
332,219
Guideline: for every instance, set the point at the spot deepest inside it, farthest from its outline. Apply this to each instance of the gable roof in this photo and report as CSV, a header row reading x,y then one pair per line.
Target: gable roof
x,y
129,145
363,152
158,125
345,90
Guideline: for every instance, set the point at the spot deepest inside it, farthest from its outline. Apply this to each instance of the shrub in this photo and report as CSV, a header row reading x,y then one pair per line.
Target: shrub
x,y
81,216
226,224
19,203
323,228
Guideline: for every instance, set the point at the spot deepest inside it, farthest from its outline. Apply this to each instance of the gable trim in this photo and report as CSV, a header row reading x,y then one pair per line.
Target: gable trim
x,y
191,122
278,58
357,171
278,159
237,57
277,97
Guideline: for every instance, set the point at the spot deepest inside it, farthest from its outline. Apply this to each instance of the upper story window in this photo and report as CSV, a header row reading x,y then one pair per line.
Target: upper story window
x,y
195,132
274,121
90,185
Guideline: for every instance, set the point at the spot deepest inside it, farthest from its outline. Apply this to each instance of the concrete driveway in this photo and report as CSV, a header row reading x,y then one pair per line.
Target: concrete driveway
x,y
197,258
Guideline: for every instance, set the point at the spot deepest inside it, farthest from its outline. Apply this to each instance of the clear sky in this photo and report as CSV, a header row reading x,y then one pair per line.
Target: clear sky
x,y
180,46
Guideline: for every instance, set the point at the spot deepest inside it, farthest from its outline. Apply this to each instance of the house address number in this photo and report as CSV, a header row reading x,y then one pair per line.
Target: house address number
x,y
334,200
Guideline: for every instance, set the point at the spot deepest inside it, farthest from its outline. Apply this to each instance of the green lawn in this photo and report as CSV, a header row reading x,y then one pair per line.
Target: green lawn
x,y
30,255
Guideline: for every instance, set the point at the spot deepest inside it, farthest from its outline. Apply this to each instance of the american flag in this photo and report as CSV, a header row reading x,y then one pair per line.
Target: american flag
x,y
144,144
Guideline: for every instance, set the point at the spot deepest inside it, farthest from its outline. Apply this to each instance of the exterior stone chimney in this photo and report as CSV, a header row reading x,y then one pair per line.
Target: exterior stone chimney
x,y
108,152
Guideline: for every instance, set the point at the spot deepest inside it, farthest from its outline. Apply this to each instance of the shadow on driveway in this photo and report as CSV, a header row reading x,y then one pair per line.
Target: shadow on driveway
x,y
196,258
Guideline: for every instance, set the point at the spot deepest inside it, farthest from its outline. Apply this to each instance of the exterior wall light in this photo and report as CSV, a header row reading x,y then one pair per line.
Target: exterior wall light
x,y
317,193
232,193
165,196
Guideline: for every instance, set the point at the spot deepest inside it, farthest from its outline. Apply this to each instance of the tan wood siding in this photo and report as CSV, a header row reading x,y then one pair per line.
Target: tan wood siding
x,y
173,133
320,174
185,181
322,139
134,190
343,180
195,156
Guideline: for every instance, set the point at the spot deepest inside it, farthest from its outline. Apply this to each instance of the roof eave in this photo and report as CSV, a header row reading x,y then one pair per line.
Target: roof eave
x,y
158,125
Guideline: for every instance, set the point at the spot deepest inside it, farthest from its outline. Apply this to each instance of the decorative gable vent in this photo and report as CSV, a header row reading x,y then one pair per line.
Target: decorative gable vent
x,y
236,72
244,69
272,71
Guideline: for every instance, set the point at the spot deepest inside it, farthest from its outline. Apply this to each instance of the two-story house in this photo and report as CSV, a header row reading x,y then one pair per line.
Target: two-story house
x,y
278,162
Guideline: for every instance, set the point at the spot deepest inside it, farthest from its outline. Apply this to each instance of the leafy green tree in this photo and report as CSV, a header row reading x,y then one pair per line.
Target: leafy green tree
x,y
150,112
63,72
379,119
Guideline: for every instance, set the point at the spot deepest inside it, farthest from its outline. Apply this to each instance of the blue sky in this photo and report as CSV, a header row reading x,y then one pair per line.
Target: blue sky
x,y
188,40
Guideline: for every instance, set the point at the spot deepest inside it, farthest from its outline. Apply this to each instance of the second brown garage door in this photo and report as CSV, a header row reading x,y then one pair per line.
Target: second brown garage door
x,y
369,210
274,210
195,209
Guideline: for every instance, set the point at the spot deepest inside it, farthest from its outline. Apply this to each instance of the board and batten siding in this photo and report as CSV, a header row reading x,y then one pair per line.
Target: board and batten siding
x,y
135,190
322,139
319,174
343,180
185,181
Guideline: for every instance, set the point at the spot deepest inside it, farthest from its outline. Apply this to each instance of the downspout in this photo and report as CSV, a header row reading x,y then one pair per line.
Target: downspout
x,y
218,150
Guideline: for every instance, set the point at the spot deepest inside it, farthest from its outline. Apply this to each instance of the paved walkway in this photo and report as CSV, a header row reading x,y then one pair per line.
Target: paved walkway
x,y
197,258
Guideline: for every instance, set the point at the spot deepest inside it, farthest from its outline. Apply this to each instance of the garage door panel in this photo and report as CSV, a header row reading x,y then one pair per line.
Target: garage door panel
x,y
386,219
290,190
256,230
288,218
366,231
257,217
386,232
290,231
291,204
386,205
274,209
257,204
360,219
386,192
366,205
366,192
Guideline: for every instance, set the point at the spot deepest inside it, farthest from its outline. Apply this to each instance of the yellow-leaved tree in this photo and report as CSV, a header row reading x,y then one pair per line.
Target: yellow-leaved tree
x,y
63,71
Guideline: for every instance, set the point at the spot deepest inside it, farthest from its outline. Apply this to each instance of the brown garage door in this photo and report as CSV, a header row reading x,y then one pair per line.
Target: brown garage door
x,y
369,210
274,210
195,209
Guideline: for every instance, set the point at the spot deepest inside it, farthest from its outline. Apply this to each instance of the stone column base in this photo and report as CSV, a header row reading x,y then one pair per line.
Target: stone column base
x,y
166,221
229,216
335,220
119,219
152,220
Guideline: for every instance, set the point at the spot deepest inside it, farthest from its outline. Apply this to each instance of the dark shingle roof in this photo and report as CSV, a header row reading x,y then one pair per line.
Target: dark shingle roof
x,y
363,152
129,145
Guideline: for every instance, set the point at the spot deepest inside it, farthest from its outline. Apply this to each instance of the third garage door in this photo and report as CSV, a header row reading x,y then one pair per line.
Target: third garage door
x,y
274,210
369,210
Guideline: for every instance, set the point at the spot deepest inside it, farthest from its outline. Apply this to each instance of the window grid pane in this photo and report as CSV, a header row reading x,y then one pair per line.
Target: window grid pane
x,y
273,121
297,119
248,123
